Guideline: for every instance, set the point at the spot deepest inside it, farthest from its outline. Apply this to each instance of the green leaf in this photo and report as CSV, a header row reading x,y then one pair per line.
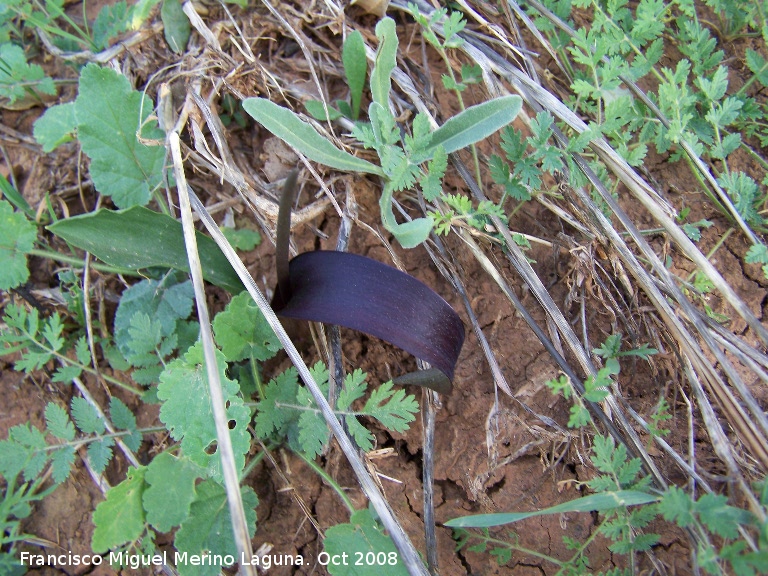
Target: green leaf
x,y
86,417
82,352
385,62
121,415
316,109
243,239
120,518
109,114
408,234
187,411
355,68
720,518
141,11
313,433
209,528
473,124
714,88
176,26
431,183
757,254
61,463
166,301
170,490
100,453
593,503
139,238
110,22
19,80
677,506
272,418
17,238
287,125
391,407
14,197
242,331
356,540
758,65
58,422
56,127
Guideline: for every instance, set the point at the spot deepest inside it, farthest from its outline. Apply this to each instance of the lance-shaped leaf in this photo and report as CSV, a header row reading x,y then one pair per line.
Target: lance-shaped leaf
x,y
366,295
287,126
594,503
472,125
139,238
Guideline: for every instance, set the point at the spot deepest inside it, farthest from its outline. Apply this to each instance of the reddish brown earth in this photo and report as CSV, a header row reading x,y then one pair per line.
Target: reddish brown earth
x,y
509,461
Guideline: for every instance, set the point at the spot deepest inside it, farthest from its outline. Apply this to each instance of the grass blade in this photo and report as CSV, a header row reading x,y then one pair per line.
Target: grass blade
x,y
593,503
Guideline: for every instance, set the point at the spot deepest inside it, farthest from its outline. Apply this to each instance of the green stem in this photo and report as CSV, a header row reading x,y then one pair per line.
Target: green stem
x,y
78,262
84,441
68,361
473,148
522,549
715,248
328,480
252,464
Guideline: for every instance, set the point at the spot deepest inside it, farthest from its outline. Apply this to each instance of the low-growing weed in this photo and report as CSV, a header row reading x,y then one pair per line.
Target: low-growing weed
x,y
629,506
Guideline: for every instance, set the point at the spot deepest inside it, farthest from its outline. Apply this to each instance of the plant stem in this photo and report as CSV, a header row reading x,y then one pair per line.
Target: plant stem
x,y
328,480
77,262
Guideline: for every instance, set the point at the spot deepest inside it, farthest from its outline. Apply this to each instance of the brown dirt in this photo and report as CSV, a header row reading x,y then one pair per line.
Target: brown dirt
x,y
484,462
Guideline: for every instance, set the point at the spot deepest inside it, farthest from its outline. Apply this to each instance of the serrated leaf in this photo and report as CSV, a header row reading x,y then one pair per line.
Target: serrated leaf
x,y
243,239
758,65
139,238
19,80
170,490
720,518
56,127
355,68
431,182
86,417
13,458
167,302
313,432
391,407
242,331
121,415
17,238
111,21
123,419
357,539
187,411
474,124
109,113
61,463
176,26
120,518
100,453
58,422
287,126
82,351
66,374
677,506
271,417
209,528
757,254
34,445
